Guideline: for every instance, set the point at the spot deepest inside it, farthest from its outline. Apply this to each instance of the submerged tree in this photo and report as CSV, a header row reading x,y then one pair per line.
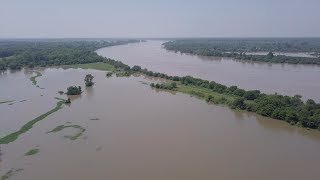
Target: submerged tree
x,y
74,90
68,101
88,80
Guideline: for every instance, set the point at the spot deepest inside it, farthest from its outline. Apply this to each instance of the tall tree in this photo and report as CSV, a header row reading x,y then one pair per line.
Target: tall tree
x,y
88,80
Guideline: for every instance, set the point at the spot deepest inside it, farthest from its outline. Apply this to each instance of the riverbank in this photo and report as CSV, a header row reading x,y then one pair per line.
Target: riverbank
x,y
290,109
235,48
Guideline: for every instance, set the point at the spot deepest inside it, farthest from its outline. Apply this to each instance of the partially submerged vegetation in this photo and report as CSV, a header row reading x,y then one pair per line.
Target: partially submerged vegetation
x,y
290,109
238,48
74,90
75,136
109,74
8,101
98,66
168,86
13,136
10,173
88,80
33,78
32,152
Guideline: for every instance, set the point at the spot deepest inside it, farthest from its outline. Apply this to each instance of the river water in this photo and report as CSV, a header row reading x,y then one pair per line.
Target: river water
x,y
269,78
141,133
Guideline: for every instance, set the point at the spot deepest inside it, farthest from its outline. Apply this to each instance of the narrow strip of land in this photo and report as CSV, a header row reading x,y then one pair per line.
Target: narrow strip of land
x,y
33,78
14,136
8,101
290,109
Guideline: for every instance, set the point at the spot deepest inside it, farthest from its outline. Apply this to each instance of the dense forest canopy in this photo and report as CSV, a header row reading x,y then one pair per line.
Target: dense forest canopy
x,y
15,54
237,48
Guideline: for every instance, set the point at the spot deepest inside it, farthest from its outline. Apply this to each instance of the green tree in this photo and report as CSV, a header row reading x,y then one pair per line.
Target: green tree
x,y
88,80
74,90
270,55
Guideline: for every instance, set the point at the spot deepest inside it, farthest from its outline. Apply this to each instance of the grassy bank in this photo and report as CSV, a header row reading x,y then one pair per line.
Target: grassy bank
x,y
13,136
33,78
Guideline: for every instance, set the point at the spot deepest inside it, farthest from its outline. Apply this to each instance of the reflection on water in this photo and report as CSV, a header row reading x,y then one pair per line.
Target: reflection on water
x,y
285,79
89,91
142,133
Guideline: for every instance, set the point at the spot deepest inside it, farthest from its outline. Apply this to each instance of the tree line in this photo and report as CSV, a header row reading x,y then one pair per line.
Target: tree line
x,y
27,53
237,48
290,109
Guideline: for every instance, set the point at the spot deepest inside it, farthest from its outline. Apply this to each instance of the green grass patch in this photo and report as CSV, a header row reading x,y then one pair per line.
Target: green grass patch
x,y
75,136
98,66
14,136
32,152
33,78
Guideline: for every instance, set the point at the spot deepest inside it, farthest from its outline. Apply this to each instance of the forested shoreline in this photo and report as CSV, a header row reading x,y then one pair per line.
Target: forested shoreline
x,y
290,109
15,54
238,49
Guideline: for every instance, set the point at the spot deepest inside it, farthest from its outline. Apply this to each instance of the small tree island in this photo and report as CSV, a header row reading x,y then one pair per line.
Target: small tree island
x,y
74,90
88,80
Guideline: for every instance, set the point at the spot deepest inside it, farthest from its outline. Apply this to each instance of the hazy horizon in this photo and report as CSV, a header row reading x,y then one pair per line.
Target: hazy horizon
x,y
159,19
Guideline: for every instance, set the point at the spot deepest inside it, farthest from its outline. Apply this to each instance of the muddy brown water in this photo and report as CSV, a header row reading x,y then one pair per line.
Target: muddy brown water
x,y
286,79
144,134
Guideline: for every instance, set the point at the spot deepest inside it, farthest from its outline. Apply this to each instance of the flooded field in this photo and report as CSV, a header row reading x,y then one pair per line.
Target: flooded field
x,y
270,78
130,131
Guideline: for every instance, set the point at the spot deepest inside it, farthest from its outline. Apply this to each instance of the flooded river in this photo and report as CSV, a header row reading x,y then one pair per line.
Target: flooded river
x,y
270,78
135,132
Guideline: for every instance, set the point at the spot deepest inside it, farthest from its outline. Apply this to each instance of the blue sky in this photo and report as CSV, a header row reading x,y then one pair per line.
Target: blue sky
x,y
159,18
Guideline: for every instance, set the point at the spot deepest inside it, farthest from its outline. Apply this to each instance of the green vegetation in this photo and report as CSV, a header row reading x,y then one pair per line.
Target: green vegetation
x,y
32,152
81,130
3,102
10,173
88,80
74,90
109,74
98,66
68,101
15,54
168,86
290,109
33,78
13,136
237,48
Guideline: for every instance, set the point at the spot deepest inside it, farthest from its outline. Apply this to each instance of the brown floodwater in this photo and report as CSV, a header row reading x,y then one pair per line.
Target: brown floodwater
x,y
285,79
140,133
